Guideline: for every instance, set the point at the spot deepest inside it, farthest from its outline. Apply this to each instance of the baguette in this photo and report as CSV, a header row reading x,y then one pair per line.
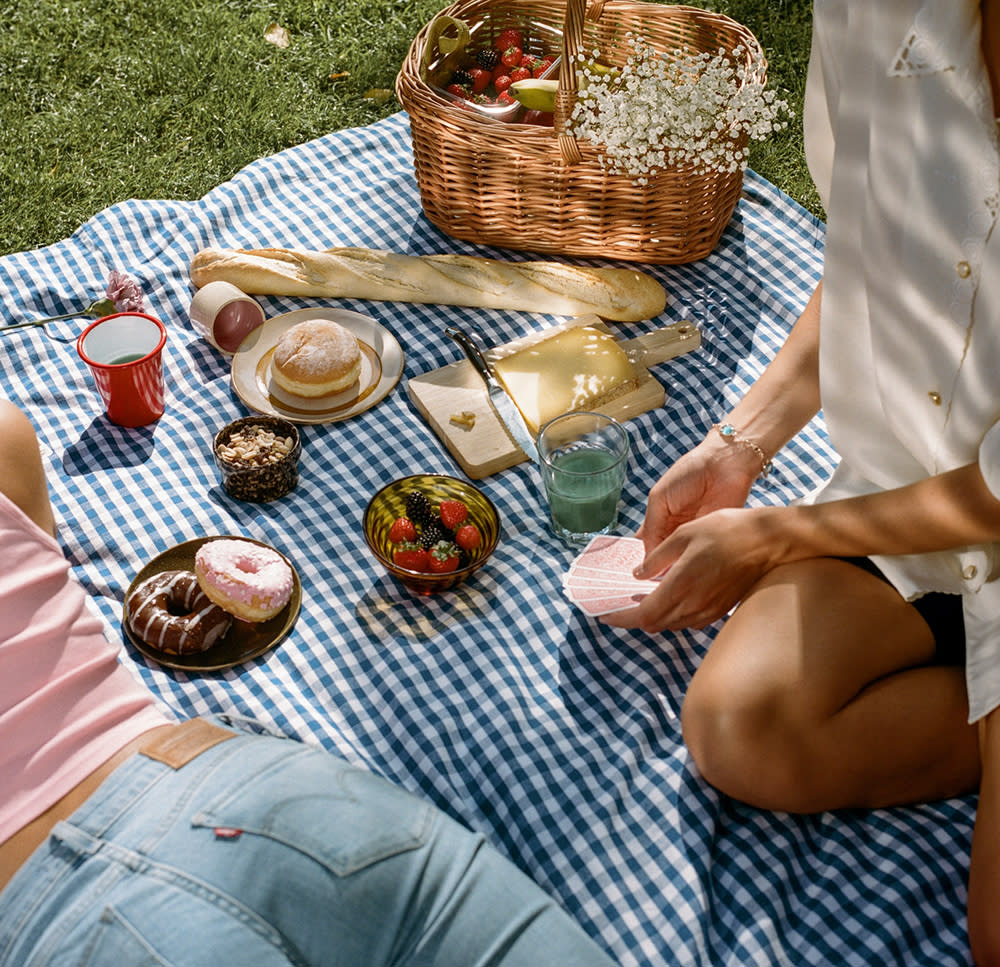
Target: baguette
x,y
622,295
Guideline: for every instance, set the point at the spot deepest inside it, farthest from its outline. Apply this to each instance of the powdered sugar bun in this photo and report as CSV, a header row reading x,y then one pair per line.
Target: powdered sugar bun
x,y
315,358
250,581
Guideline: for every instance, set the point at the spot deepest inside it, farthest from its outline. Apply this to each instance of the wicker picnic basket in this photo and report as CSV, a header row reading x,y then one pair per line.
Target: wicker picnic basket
x,y
538,189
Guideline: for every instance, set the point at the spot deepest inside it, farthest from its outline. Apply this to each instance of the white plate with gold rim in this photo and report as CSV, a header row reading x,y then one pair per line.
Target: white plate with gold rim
x,y
381,368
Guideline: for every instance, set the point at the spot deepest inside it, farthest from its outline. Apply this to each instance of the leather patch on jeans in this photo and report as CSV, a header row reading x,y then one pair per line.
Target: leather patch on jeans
x,y
184,742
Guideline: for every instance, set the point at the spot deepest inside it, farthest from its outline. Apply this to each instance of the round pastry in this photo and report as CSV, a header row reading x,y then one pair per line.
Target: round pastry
x,y
250,581
171,613
315,358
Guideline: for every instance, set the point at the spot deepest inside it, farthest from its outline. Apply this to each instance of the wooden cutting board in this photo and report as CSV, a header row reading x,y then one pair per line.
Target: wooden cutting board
x,y
480,442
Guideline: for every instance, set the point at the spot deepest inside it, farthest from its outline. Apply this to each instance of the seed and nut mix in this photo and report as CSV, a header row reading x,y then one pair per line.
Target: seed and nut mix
x,y
256,446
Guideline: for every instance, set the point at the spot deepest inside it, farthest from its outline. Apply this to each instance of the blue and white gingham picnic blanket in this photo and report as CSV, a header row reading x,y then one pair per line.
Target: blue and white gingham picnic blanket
x,y
557,737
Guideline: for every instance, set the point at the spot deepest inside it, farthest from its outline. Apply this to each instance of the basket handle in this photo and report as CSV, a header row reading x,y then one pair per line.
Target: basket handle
x,y
438,43
566,94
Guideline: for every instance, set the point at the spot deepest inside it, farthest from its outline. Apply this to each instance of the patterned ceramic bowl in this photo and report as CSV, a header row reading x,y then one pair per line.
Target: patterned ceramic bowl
x,y
389,504
258,457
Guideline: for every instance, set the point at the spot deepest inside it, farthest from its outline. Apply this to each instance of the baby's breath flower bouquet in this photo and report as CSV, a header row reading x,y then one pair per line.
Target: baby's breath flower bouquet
x,y
674,109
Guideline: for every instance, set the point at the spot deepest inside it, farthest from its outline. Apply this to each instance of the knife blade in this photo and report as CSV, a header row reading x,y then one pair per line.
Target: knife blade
x,y
503,405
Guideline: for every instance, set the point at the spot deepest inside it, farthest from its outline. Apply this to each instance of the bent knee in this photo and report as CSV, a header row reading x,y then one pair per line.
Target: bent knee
x,y
750,745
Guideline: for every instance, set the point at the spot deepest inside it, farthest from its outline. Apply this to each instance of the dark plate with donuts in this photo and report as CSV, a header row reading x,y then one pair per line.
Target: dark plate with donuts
x,y
241,643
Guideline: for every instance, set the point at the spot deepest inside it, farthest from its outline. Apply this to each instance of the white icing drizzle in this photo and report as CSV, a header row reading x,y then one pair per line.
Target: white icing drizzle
x,y
196,630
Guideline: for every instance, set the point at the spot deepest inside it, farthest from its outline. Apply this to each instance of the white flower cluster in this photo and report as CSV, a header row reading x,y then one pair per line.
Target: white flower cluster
x,y
674,110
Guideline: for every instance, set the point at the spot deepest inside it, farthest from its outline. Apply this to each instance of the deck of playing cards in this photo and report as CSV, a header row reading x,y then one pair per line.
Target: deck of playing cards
x,y
600,580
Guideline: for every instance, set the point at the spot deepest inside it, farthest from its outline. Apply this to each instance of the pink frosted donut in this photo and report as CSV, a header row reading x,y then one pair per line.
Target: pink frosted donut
x,y
250,581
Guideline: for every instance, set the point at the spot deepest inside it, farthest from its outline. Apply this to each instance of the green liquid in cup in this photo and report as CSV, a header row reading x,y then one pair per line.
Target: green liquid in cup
x,y
127,358
587,501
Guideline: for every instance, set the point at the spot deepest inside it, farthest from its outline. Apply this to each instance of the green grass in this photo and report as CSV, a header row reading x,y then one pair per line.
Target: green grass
x,y
105,100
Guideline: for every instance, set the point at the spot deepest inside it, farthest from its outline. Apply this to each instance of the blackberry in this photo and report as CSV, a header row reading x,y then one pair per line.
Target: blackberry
x,y
432,533
464,558
418,507
488,58
462,77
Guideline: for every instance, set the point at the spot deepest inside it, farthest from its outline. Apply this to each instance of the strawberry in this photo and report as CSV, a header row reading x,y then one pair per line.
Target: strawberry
x,y
530,61
512,57
402,530
457,90
519,74
541,66
443,558
452,513
480,79
502,82
468,537
411,556
511,37
505,99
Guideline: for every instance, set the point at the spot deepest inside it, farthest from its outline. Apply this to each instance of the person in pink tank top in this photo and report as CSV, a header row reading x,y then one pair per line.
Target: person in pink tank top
x,y
126,837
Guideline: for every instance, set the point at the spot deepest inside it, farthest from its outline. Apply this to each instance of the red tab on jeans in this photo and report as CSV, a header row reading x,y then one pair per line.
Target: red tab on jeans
x,y
227,832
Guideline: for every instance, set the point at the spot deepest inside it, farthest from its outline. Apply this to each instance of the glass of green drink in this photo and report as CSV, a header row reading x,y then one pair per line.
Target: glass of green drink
x,y
583,458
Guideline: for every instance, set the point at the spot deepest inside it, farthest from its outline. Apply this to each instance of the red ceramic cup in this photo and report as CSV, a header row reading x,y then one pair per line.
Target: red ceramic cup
x,y
125,353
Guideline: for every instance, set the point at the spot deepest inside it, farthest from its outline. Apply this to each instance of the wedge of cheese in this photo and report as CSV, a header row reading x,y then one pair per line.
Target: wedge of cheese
x,y
576,369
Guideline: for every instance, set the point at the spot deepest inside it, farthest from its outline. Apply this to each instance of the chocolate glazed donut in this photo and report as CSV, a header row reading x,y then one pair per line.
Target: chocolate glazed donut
x,y
171,613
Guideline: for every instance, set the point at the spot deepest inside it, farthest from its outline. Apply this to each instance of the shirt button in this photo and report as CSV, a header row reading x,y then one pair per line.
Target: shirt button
x,y
963,269
970,572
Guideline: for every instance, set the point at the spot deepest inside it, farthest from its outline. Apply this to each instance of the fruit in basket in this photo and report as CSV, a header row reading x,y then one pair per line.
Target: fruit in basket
x,y
511,56
535,93
545,119
511,37
480,79
488,58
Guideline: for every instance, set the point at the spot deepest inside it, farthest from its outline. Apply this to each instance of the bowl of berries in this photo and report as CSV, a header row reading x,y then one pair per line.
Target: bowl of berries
x,y
431,531
479,76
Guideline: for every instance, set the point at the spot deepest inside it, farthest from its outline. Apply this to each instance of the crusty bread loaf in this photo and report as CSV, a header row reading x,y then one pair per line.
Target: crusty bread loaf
x,y
623,295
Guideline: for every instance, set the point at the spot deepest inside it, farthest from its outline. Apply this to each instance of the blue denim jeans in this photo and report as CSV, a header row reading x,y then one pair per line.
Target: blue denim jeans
x,y
263,852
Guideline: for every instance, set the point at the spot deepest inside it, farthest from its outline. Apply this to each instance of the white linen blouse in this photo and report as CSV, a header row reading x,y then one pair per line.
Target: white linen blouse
x,y
901,140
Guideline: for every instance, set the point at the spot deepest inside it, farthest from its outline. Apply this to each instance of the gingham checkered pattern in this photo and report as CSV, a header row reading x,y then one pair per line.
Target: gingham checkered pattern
x,y
557,737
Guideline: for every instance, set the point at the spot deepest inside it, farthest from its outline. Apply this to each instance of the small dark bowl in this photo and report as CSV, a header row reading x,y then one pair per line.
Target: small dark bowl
x,y
255,479
390,503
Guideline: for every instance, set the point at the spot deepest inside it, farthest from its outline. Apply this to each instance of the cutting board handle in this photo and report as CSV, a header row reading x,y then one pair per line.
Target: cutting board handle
x,y
662,344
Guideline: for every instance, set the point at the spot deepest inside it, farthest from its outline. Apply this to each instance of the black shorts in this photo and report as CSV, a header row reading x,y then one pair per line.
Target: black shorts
x,y
942,612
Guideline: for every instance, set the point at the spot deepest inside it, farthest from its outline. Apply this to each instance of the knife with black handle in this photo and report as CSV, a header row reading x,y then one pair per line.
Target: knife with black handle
x,y
503,405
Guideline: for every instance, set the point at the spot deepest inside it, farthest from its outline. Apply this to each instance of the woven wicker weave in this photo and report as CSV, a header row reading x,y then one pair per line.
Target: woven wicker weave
x,y
537,189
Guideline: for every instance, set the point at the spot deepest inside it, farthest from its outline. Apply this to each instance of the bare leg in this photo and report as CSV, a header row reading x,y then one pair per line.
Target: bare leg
x,y
984,877
813,697
22,476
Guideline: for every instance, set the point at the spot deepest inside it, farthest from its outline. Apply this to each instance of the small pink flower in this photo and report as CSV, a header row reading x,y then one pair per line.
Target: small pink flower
x,y
124,292
123,295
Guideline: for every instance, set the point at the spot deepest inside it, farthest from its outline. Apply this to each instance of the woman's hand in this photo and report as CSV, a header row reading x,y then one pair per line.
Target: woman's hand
x,y
709,477
688,532
708,564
